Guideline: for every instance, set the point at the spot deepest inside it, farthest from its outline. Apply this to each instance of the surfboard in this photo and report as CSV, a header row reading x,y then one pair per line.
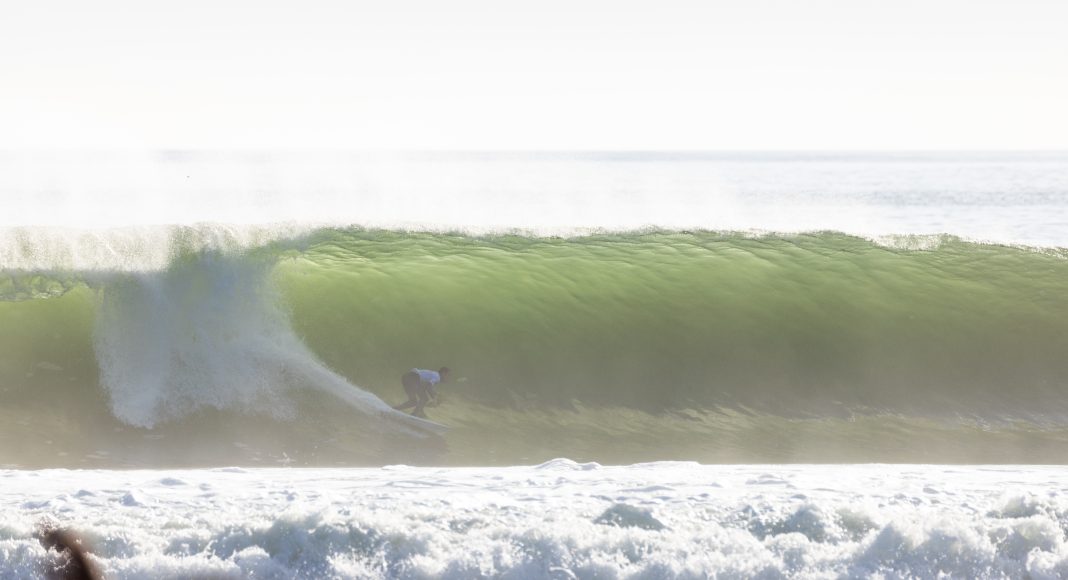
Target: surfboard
x,y
420,424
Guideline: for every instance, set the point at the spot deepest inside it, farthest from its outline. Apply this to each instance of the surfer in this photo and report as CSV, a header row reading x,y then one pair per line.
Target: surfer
x,y
419,385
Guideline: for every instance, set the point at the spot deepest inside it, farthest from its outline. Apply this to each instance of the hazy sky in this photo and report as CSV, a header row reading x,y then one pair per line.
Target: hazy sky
x,y
468,74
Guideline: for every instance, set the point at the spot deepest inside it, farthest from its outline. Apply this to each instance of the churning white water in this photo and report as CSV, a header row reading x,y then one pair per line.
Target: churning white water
x,y
558,520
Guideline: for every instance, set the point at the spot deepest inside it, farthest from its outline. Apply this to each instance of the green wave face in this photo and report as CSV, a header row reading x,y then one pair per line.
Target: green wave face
x,y
820,325
611,347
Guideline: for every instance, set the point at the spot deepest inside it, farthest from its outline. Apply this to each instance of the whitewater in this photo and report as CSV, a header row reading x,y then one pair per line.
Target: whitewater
x,y
560,519
199,351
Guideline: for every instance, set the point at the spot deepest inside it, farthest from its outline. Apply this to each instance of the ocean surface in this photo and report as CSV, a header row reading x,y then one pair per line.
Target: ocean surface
x,y
246,318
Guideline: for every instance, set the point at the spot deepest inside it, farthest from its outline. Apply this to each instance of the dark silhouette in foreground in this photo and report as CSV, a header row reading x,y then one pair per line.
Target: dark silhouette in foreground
x,y
77,565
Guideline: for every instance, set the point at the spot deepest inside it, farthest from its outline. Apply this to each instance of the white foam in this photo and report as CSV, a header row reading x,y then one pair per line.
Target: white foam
x,y
564,464
532,522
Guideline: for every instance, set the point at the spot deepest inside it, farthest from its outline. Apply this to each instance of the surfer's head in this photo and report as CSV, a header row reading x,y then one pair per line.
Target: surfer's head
x,y
443,372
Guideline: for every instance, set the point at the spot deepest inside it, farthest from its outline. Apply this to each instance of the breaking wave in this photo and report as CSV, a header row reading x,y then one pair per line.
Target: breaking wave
x,y
636,345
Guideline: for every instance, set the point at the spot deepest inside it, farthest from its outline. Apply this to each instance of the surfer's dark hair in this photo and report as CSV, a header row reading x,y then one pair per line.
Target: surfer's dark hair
x,y
443,371
77,566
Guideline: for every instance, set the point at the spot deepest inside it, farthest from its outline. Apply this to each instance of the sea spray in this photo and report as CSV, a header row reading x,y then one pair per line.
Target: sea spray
x,y
210,331
206,332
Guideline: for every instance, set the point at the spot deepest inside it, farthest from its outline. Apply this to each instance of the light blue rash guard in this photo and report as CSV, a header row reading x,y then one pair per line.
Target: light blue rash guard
x,y
426,376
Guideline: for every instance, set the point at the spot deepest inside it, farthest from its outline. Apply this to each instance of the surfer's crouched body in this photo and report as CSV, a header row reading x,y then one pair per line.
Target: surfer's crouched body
x,y
419,385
